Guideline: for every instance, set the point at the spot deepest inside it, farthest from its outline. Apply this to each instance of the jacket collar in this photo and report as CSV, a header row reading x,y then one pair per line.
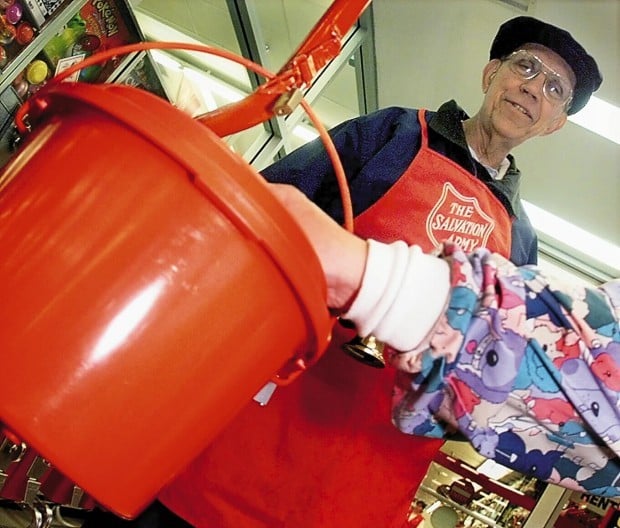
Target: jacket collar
x,y
447,121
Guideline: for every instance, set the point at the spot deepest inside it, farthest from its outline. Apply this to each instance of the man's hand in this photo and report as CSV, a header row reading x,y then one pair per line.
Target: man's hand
x,y
342,254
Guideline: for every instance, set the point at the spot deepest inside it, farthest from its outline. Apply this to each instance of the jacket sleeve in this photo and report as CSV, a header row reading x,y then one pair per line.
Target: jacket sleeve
x,y
524,248
526,368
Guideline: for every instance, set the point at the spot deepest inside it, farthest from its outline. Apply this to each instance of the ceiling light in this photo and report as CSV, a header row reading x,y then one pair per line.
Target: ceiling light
x,y
570,243
600,117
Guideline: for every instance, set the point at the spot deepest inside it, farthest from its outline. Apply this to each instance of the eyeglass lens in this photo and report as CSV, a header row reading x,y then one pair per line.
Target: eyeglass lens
x,y
528,66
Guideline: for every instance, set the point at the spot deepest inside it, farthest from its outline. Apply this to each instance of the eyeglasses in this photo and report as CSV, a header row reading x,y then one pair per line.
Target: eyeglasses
x,y
556,88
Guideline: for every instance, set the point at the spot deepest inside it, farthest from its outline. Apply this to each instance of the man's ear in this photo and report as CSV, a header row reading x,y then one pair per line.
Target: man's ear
x,y
555,125
488,73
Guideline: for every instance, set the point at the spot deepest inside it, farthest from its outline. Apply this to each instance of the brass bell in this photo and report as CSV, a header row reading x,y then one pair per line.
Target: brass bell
x,y
368,350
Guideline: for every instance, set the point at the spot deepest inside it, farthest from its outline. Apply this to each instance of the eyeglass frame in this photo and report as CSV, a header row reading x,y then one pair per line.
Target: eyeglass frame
x,y
544,69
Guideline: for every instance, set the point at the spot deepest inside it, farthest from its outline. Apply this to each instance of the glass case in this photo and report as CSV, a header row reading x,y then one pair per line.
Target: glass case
x,y
62,34
482,493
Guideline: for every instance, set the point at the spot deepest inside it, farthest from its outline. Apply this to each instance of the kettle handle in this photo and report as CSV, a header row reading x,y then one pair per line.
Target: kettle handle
x,y
278,90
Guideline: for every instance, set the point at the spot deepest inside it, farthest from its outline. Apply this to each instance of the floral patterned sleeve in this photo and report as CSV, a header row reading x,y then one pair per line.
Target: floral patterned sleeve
x,y
526,367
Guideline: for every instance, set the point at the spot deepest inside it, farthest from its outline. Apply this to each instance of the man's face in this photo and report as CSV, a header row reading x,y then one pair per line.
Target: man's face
x,y
516,107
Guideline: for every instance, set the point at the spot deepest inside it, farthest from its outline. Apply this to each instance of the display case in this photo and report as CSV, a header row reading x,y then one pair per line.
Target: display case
x,y
62,33
485,494
482,493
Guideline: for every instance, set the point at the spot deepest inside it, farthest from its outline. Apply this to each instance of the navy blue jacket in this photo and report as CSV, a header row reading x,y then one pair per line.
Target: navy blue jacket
x,y
375,151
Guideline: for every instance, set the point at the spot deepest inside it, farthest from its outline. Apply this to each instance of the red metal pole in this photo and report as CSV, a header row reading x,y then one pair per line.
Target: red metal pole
x,y
322,44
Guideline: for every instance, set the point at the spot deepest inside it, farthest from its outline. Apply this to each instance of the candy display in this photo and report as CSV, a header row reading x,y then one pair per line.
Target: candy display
x,y
17,29
41,38
13,13
24,33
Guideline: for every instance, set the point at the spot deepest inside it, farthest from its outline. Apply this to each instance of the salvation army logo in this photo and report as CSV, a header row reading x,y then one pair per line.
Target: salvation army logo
x,y
458,219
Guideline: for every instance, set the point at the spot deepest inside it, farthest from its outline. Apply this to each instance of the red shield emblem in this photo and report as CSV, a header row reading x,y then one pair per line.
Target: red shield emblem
x,y
459,219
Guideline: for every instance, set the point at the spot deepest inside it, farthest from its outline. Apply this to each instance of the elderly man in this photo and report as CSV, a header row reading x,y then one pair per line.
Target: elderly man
x,y
323,452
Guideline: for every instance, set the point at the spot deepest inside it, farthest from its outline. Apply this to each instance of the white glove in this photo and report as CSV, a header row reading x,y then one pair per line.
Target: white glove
x,y
403,294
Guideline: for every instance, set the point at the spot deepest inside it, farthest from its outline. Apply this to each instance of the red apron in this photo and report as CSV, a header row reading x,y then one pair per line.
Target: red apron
x,y
323,452
437,200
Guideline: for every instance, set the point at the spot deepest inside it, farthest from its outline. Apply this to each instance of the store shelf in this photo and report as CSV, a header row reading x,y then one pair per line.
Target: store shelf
x,y
52,26
77,28
489,498
514,496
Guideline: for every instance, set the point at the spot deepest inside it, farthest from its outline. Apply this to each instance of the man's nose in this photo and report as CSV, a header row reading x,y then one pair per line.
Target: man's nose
x,y
534,86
